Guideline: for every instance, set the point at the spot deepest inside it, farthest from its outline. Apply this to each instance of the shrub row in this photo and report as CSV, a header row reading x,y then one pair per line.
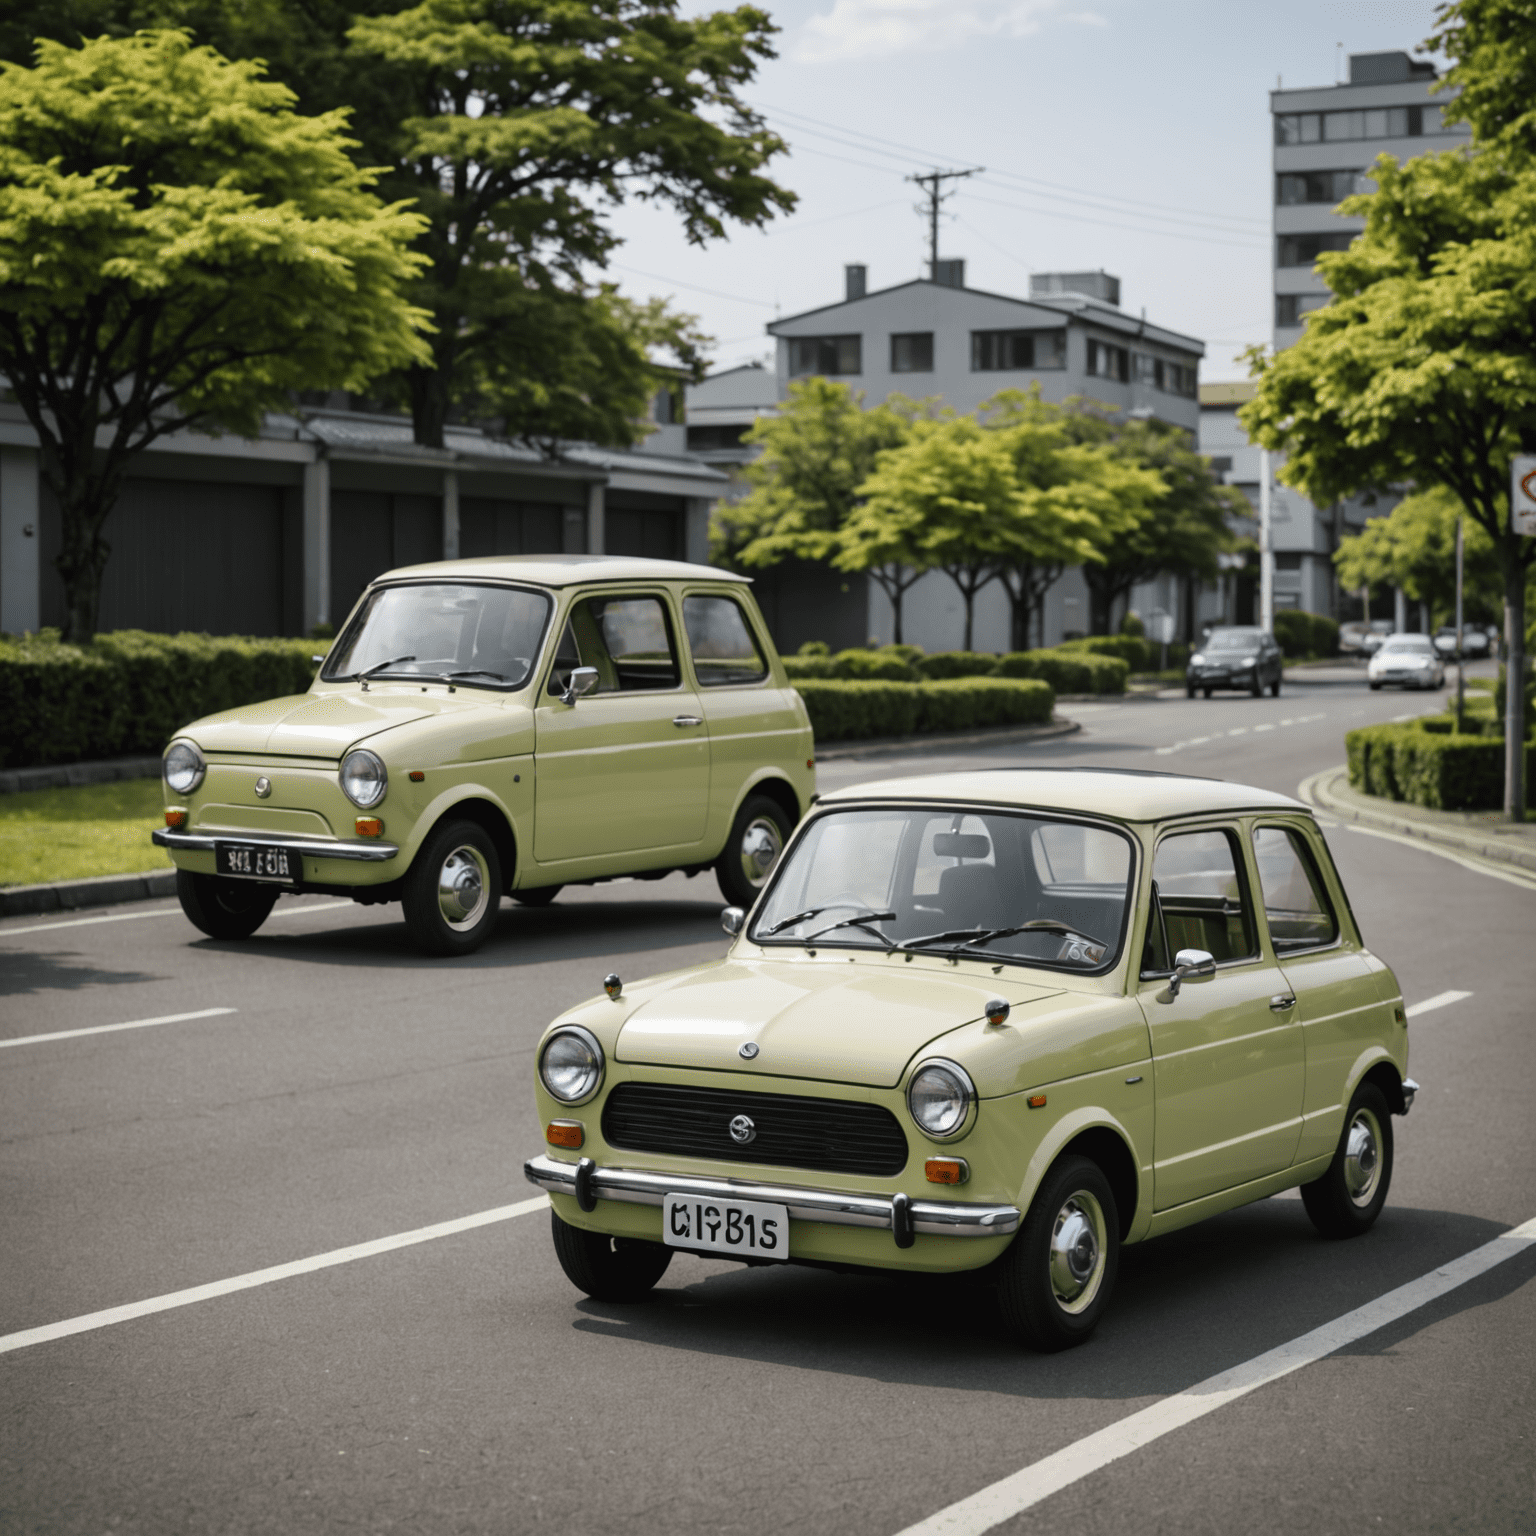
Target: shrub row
x,y
1428,766
1306,634
843,709
131,691
1066,670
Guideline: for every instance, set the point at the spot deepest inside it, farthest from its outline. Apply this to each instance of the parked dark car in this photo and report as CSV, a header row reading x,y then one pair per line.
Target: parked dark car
x,y
1235,657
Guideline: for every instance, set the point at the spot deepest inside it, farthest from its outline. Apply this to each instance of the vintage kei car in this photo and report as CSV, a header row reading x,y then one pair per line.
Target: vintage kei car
x,y
511,725
1005,1020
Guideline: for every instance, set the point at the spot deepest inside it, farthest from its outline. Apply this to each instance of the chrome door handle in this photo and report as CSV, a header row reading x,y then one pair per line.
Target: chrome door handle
x,y
687,720
1281,1002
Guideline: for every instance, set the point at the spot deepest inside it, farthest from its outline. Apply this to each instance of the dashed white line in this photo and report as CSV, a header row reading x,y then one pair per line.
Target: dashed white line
x,y
1241,730
1033,1484
108,1029
1439,1000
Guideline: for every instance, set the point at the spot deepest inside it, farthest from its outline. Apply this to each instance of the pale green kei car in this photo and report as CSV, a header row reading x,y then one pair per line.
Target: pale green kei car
x,y
508,725
1005,1020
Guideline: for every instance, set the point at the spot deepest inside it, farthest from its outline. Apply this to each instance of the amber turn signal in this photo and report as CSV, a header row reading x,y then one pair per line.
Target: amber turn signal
x,y
368,826
997,1011
1036,1101
612,985
946,1170
416,776
175,817
564,1133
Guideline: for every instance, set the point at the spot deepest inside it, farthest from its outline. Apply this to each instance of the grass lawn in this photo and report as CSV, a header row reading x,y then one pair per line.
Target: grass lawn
x,y
68,834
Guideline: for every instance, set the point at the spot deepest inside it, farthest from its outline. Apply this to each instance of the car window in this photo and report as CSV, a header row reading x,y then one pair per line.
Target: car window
x,y
721,643
1200,890
1407,643
1296,905
1233,640
627,639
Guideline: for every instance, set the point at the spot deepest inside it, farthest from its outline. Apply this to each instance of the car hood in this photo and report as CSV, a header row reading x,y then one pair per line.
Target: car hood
x,y
826,1021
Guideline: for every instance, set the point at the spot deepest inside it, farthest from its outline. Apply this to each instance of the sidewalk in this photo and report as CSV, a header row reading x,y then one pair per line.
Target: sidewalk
x,y
1474,834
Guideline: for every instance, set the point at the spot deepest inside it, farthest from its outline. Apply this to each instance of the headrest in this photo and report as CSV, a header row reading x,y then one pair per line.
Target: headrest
x,y
961,845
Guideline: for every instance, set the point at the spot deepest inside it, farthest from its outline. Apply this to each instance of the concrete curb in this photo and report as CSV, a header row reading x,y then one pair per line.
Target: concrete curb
x,y
14,781
1329,791
98,891
900,746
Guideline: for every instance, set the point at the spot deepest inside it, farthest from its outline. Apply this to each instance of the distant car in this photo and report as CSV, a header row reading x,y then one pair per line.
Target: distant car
x,y
1376,636
1406,661
1235,657
1352,637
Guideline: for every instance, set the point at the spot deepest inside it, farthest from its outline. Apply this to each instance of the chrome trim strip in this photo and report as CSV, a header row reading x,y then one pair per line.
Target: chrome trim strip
x,y
942,1218
203,842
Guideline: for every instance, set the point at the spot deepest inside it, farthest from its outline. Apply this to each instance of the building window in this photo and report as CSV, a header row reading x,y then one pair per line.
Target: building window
x,y
1367,123
1318,186
1009,351
1159,373
825,354
1303,250
1290,307
912,352
1106,361
703,439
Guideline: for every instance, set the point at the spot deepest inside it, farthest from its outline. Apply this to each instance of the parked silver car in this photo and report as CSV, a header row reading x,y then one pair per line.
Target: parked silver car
x,y
1406,661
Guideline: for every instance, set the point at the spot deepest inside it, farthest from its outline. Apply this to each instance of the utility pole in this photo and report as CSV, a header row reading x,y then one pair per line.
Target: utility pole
x,y
1461,664
1266,550
930,183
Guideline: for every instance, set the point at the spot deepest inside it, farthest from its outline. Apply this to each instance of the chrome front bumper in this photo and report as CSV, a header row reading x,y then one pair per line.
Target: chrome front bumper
x,y
940,1218
307,847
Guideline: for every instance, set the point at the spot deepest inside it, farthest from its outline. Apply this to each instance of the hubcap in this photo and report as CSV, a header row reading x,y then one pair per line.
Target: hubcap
x,y
1362,1157
1077,1252
761,846
462,884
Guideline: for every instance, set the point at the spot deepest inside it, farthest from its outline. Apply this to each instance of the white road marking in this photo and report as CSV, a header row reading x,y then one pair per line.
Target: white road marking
x,y
128,917
135,1309
1525,882
107,1029
1241,730
1268,726
1028,1487
1439,1000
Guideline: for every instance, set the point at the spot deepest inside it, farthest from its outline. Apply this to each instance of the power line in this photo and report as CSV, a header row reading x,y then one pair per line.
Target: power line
x,y
676,282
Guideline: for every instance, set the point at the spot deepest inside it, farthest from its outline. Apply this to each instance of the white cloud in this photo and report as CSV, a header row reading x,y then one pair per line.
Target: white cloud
x,y
865,29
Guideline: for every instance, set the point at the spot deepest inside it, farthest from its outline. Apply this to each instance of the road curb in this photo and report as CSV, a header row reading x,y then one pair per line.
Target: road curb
x,y
1329,791
97,891
900,746
15,781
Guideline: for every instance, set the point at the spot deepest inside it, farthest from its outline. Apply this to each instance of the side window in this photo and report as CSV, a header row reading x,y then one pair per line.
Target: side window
x,y
721,642
1201,894
1295,903
628,640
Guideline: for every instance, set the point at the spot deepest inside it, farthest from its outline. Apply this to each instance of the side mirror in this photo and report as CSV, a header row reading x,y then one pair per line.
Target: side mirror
x,y
1188,965
731,920
582,681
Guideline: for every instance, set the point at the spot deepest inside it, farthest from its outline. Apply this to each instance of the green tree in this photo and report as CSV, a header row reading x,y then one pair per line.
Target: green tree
x,y
178,248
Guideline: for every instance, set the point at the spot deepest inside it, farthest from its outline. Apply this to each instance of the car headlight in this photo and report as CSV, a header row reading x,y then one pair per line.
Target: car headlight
x,y
940,1096
1197,660
364,778
1248,661
571,1064
184,767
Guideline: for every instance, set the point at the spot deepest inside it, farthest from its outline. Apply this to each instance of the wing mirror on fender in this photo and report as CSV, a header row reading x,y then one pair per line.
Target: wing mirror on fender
x,y
1188,965
582,681
731,920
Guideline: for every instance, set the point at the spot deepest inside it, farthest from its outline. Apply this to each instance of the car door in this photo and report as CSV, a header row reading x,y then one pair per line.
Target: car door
x,y
625,768
1228,1066
1336,1002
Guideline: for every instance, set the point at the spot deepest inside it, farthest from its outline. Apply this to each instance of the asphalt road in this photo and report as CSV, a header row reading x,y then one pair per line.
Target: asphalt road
x,y
459,1384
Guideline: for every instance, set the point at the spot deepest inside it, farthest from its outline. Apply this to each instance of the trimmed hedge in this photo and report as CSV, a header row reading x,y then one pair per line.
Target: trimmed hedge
x,y
957,664
1426,764
1136,653
1067,671
885,665
843,709
131,691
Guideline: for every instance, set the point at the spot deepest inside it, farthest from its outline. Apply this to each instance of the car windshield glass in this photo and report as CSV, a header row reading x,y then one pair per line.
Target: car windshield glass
x,y
1007,887
1231,640
1408,643
483,636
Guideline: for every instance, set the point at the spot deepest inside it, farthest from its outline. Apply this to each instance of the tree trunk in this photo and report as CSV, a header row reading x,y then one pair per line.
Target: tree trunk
x,y
429,405
1514,691
85,496
1019,615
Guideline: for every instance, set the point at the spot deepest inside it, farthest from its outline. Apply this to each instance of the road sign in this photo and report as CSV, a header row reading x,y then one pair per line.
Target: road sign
x,y
1522,495
1159,625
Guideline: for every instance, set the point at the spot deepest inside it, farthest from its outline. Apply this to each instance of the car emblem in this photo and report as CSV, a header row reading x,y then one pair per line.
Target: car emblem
x,y
263,786
749,1050
743,1130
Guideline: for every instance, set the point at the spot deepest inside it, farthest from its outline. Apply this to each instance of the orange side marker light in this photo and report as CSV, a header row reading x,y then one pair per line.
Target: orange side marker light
x,y
946,1170
416,776
175,816
368,826
564,1133
1036,1101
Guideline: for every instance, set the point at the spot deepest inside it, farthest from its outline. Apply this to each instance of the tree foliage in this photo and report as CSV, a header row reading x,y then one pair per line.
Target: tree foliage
x,y
178,248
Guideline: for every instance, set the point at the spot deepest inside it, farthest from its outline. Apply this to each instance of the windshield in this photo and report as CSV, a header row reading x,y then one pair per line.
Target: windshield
x,y
483,636
1231,640
993,885
1408,643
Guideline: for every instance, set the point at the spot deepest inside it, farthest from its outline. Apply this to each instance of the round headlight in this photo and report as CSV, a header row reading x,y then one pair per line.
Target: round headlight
x,y
1198,659
940,1096
184,767
571,1065
363,778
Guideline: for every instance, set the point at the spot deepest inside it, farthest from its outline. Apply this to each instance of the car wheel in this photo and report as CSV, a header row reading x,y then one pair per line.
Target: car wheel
x,y
1348,1198
452,890
224,909
541,897
1256,688
1057,1277
1189,691
1274,687
757,839
608,1268
1375,687
1207,692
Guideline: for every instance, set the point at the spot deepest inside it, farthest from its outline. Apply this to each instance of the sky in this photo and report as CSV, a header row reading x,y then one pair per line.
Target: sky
x,y
1127,135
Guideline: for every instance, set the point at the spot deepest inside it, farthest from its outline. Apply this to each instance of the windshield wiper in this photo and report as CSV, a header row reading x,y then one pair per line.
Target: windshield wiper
x,y
969,936
861,921
379,666
473,672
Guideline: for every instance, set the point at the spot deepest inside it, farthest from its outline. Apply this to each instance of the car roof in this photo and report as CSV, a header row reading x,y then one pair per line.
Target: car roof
x,y
1121,794
564,570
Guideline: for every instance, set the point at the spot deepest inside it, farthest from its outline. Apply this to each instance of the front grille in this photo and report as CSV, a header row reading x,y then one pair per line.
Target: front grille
x,y
793,1132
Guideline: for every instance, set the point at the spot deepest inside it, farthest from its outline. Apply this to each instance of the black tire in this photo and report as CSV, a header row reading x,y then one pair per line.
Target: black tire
x,y
540,897
1375,687
452,890
1189,690
1256,687
757,838
224,909
1208,692
1274,689
1039,1269
1348,1198
608,1268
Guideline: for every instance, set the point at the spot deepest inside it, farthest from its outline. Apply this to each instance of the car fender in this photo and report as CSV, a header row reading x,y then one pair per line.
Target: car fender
x,y
1369,1057
1089,1117
441,804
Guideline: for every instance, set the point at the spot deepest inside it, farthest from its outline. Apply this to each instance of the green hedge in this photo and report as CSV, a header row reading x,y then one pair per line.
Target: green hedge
x,y
1068,668
1136,653
844,709
887,665
1305,634
131,691
1067,671
1425,764
958,664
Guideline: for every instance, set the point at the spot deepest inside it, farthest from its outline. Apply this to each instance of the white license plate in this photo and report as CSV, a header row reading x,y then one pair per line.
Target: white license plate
x,y
741,1227
257,861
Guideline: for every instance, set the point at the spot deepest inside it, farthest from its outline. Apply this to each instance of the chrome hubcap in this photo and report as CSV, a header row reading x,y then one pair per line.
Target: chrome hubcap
x,y
462,888
1362,1157
761,846
1077,1252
